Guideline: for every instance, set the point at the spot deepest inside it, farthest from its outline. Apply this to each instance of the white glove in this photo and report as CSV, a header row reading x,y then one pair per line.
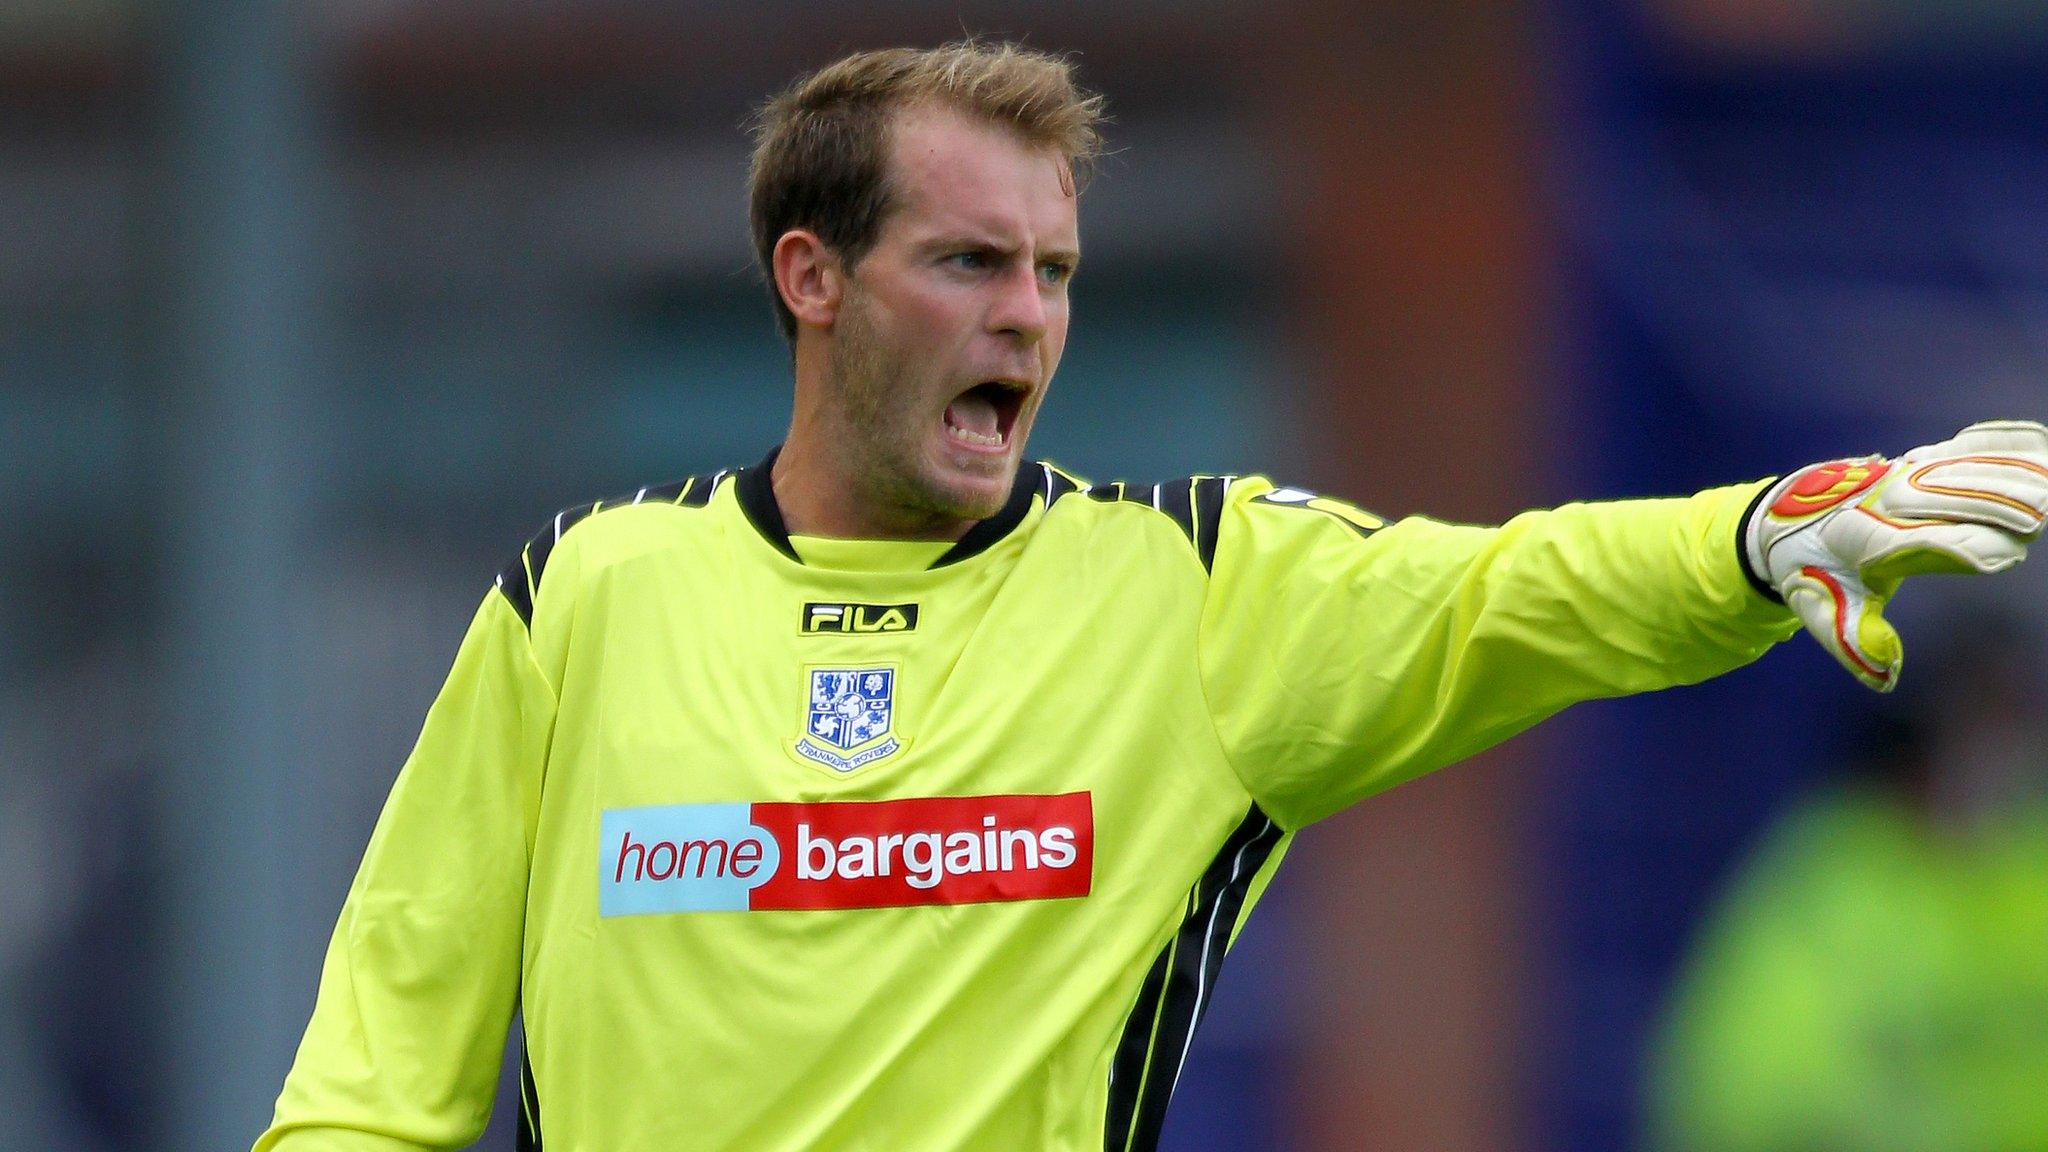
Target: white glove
x,y
1835,539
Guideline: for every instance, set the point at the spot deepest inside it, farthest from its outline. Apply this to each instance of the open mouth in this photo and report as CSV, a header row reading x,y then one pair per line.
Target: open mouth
x,y
983,416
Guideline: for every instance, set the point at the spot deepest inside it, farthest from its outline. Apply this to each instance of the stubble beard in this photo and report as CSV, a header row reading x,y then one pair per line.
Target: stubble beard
x,y
885,430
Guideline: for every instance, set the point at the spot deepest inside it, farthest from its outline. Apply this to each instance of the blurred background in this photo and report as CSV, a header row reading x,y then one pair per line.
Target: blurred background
x,y
309,313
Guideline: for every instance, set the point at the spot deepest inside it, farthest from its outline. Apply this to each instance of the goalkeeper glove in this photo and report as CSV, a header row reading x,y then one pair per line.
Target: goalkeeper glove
x,y
1834,540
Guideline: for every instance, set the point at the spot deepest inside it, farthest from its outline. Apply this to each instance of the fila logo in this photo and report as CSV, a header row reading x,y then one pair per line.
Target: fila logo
x,y
858,619
845,854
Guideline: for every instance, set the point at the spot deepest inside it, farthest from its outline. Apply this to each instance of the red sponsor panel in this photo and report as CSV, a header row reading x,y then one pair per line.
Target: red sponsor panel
x,y
937,850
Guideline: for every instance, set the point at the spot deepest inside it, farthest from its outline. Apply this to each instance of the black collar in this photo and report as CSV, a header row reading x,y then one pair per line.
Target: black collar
x,y
756,493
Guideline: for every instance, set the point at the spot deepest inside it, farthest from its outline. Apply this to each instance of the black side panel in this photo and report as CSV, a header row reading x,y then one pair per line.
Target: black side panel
x,y
1127,1068
529,1101
1177,991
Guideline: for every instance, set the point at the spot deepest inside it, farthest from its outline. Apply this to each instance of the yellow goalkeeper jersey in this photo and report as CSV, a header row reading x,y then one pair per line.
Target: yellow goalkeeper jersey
x,y
865,846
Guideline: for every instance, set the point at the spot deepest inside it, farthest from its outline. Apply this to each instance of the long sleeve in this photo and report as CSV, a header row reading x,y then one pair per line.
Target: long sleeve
x,y
1341,656
422,974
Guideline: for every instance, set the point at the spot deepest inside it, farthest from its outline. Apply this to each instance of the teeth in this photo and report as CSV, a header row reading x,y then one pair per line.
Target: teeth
x,y
959,433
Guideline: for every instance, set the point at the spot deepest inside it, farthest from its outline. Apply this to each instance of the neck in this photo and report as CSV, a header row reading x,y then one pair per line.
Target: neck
x,y
822,493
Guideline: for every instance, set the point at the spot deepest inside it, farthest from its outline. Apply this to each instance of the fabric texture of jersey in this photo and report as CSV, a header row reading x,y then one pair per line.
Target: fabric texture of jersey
x,y
858,846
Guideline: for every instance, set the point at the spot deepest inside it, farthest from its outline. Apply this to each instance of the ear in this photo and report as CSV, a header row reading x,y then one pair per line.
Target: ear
x,y
809,276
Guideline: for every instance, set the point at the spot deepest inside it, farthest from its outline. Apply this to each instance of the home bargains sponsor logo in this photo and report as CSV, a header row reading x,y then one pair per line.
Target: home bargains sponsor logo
x,y
845,854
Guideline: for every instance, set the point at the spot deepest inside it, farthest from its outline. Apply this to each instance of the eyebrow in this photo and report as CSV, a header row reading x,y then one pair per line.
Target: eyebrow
x,y
975,240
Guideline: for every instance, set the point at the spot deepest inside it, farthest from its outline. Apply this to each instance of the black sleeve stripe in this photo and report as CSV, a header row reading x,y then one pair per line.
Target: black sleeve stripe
x,y
1176,992
1193,503
1208,500
1176,499
543,544
697,491
511,582
1057,484
519,580
662,493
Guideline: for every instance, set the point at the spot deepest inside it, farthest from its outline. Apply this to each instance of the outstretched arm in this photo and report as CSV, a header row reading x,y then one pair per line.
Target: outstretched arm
x,y
1342,656
1341,659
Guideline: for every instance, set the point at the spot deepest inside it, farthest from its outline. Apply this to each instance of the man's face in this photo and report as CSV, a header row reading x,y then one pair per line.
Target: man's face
x,y
952,324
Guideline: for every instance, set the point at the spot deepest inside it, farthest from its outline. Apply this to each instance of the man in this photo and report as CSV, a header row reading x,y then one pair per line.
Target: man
x,y
900,793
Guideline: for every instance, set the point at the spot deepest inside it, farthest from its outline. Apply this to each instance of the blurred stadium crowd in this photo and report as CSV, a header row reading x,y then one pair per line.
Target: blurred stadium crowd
x,y
310,312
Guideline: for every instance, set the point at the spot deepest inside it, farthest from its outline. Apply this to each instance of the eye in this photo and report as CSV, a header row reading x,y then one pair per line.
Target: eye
x,y
972,260
1055,271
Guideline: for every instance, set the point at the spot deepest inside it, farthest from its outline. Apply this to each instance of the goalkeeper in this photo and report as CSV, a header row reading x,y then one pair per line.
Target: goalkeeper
x,y
899,792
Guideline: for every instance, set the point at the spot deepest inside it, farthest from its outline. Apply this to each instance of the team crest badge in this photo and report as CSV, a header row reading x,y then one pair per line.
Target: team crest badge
x,y
850,717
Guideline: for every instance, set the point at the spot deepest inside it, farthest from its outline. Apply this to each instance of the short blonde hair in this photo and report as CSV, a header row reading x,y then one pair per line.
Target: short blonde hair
x,y
821,147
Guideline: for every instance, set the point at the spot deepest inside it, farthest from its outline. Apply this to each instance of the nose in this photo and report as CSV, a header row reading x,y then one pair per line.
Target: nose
x,y
1019,306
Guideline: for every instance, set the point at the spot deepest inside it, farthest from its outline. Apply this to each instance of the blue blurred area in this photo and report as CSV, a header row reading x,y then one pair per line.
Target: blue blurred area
x,y
1772,259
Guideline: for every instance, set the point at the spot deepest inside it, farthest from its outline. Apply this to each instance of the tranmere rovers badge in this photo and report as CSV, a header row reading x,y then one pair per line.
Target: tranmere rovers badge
x,y
849,718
